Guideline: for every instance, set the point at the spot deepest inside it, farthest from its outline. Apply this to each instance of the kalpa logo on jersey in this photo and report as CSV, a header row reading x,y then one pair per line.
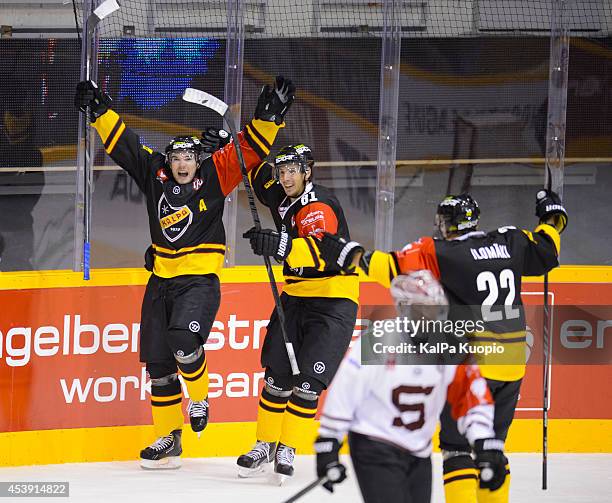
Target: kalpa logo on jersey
x,y
175,224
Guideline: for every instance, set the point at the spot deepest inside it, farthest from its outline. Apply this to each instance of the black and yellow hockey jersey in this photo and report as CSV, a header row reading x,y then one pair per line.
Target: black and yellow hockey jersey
x,y
481,270
185,221
316,211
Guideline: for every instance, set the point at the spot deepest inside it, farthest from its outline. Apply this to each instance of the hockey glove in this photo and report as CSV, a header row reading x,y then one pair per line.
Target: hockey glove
x,y
491,463
550,210
88,94
339,251
269,243
214,139
274,102
328,462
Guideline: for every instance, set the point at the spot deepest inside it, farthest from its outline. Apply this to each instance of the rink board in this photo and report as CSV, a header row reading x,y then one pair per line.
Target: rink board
x,y
70,376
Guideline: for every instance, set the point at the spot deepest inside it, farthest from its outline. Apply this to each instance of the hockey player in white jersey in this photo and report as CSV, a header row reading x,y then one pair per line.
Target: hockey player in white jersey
x,y
390,412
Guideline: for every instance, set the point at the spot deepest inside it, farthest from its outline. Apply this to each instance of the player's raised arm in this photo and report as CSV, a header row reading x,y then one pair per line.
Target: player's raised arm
x,y
120,142
258,135
544,243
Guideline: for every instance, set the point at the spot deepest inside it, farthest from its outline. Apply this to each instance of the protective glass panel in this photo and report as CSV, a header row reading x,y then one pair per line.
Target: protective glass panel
x,y
37,153
473,112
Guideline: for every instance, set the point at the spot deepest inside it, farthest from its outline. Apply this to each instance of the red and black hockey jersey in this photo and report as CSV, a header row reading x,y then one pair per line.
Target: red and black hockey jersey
x,y
185,221
316,211
480,270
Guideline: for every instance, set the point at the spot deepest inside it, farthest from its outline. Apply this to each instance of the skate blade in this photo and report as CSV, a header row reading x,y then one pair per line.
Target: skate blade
x,y
245,473
280,479
169,463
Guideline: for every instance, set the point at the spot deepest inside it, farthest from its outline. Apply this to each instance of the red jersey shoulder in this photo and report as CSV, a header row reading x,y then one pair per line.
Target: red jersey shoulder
x,y
316,218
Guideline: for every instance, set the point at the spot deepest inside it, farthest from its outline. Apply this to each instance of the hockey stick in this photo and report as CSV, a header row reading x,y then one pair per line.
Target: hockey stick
x,y
546,376
204,99
307,489
103,10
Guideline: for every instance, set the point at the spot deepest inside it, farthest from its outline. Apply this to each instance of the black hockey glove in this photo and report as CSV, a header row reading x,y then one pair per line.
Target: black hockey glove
x,y
339,251
214,139
269,243
550,210
274,102
88,94
491,463
328,462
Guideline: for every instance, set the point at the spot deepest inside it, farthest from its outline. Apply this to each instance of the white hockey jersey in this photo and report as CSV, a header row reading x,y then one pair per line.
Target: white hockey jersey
x,y
401,404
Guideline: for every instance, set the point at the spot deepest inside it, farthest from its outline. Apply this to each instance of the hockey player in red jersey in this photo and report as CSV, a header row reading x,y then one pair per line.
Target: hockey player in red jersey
x,y
185,190
319,301
390,410
482,270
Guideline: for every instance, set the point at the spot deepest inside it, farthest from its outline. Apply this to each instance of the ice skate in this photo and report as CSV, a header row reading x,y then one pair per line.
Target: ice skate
x,y
283,463
163,454
254,461
198,414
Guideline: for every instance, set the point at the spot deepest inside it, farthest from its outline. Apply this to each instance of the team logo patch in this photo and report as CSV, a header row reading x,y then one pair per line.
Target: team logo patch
x,y
194,326
174,221
314,222
180,353
161,175
270,380
318,367
305,385
176,190
197,183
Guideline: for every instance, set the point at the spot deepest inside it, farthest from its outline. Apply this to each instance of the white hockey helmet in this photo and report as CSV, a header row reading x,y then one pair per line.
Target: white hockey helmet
x,y
419,294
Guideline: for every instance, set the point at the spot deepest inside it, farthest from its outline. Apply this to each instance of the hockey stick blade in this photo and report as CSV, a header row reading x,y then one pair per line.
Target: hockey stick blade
x,y
307,489
204,99
106,8
103,10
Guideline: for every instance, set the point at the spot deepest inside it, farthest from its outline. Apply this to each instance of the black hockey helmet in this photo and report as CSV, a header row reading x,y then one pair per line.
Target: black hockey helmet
x,y
293,154
185,143
457,214
306,151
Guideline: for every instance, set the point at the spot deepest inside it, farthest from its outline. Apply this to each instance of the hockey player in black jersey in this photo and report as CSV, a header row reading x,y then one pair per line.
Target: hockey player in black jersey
x,y
320,303
185,189
476,269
